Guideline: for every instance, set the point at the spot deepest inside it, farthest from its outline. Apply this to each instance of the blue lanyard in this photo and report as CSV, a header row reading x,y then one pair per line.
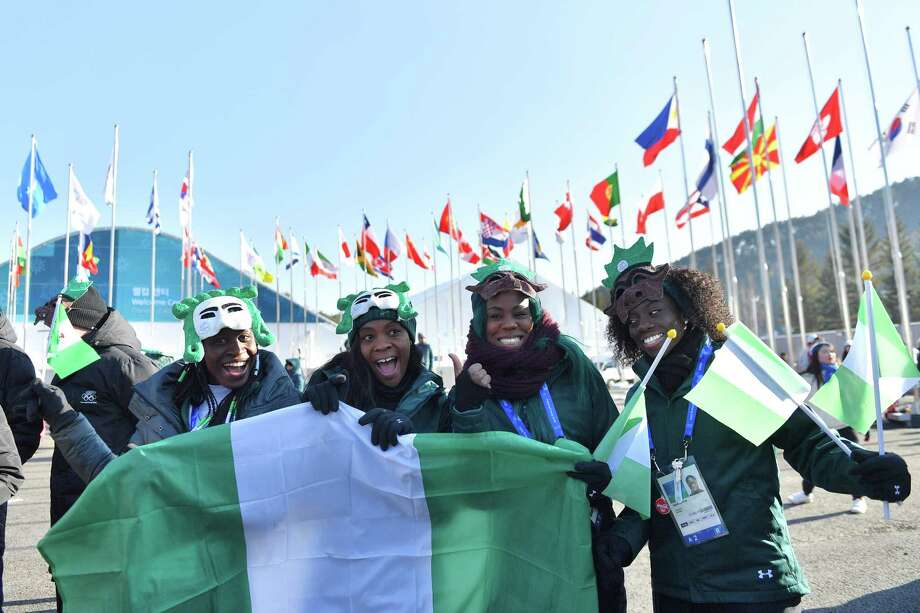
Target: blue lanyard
x,y
698,372
548,405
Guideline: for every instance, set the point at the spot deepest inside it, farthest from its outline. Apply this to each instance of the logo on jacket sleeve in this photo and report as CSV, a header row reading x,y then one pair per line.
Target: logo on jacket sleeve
x,y
765,575
88,397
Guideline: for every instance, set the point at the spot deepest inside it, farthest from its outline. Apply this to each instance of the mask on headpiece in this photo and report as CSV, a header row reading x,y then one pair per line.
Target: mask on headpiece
x,y
503,276
206,314
390,302
632,279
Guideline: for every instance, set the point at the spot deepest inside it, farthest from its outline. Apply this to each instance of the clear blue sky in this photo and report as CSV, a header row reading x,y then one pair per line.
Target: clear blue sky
x,y
313,111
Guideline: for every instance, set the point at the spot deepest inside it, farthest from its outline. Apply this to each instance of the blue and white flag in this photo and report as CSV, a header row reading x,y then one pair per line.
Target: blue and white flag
x,y
537,250
294,254
153,211
705,192
595,239
42,190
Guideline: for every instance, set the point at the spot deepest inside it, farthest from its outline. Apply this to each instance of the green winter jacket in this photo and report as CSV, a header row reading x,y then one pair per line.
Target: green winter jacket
x,y
425,403
584,423
755,562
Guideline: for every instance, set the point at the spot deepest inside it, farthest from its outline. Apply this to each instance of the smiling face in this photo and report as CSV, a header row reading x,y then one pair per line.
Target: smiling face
x,y
508,320
385,346
649,322
827,355
229,357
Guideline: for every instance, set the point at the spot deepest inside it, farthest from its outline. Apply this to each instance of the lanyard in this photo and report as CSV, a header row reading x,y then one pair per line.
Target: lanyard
x,y
548,405
196,423
698,372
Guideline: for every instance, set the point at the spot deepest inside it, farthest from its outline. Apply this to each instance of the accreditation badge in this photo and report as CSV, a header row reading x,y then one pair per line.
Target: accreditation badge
x,y
694,512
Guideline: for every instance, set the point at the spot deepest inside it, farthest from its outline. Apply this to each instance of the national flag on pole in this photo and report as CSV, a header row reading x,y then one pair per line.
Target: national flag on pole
x,y
67,351
490,255
605,194
625,449
830,127
748,387
448,225
207,269
564,212
369,240
437,239
185,201
491,232
838,181
654,204
363,261
705,192
280,244
345,256
537,249
737,138
392,249
109,188
766,156
524,201
153,210
517,234
848,395
413,254
271,513
252,262
294,254
595,239
901,137
20,264
89,263
42,189
467,254
319,265
660,133
83,213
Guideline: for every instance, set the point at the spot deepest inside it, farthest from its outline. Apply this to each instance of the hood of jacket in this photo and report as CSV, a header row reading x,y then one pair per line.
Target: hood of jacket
x,y
114,331
7,333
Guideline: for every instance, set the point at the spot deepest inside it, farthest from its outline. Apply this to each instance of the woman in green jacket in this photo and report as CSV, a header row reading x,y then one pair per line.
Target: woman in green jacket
x,y
746,563
521,375
381,372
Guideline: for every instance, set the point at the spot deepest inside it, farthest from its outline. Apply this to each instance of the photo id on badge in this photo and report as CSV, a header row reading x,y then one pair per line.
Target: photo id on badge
x,y
691,507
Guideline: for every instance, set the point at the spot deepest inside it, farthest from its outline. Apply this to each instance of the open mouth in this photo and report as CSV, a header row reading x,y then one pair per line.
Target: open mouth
x,y
653,341
510,341
236,369
387,367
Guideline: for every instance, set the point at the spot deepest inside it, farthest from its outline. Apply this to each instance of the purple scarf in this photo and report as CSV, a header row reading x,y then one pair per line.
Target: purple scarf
x,y
518,373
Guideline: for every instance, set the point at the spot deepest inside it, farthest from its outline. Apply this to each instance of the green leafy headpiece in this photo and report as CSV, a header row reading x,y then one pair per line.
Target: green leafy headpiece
x,y
388,302
623,259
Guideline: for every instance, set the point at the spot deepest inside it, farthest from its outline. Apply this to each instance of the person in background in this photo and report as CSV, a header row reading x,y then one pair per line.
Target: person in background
x,y
846,350
380,372
801,363
821,367
16,374
424,352
292,367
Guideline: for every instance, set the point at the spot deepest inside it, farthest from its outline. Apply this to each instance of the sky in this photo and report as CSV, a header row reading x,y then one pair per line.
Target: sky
x,y
314,111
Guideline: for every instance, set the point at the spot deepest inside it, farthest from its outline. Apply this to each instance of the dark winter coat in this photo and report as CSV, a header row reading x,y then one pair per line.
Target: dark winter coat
x,y
157,416
755,562
16,373
101,392
10,467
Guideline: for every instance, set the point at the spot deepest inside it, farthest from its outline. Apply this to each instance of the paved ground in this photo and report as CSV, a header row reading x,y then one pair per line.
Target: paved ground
x,y
853,562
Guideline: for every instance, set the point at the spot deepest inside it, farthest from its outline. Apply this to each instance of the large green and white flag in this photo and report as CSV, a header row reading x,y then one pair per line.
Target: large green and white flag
x,y
848,395
625,449
297,511
67,351
748,387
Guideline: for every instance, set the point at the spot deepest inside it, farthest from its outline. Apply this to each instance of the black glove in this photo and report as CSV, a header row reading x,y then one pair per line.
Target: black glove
x,y
881,477
325,395
611,553
595,474
467,394
387,425
42,401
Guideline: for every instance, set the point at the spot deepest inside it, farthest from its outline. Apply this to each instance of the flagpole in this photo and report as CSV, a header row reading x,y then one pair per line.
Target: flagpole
x,y
315,315
25,304
290,256
616,169
581,325
664,210
153,259
338,260
712,228
728,248
277,294
597,338
565,302
434,270
831,216
683,165
857,230
191,204
761,251
9,281
114,204
67,233
450,287
533,253
780,258
793,248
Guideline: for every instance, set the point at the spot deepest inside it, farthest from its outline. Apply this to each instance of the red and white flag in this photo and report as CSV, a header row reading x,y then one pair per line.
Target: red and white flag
x,y
345,256
564,212
655,203
413,254
447,225
830,127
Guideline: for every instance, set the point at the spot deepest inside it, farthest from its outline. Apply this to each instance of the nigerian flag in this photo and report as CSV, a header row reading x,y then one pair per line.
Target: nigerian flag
x,y
297,511
748,387
625,449
848,394
67,351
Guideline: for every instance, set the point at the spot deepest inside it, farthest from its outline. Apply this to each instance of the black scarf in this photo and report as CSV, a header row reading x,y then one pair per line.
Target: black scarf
x,y
389,397
677,365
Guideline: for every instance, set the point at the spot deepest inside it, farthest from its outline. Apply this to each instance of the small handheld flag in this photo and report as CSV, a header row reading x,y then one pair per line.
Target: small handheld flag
x,y
67,351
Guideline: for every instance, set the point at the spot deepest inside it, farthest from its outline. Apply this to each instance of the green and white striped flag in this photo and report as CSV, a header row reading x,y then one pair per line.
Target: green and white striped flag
x,y
748,387
297,511
848,395
67,351
625,449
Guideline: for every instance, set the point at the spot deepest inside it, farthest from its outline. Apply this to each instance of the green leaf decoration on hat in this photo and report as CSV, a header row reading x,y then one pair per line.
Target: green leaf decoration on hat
x,y
404,312
502,265
624,259
76,288
194,349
